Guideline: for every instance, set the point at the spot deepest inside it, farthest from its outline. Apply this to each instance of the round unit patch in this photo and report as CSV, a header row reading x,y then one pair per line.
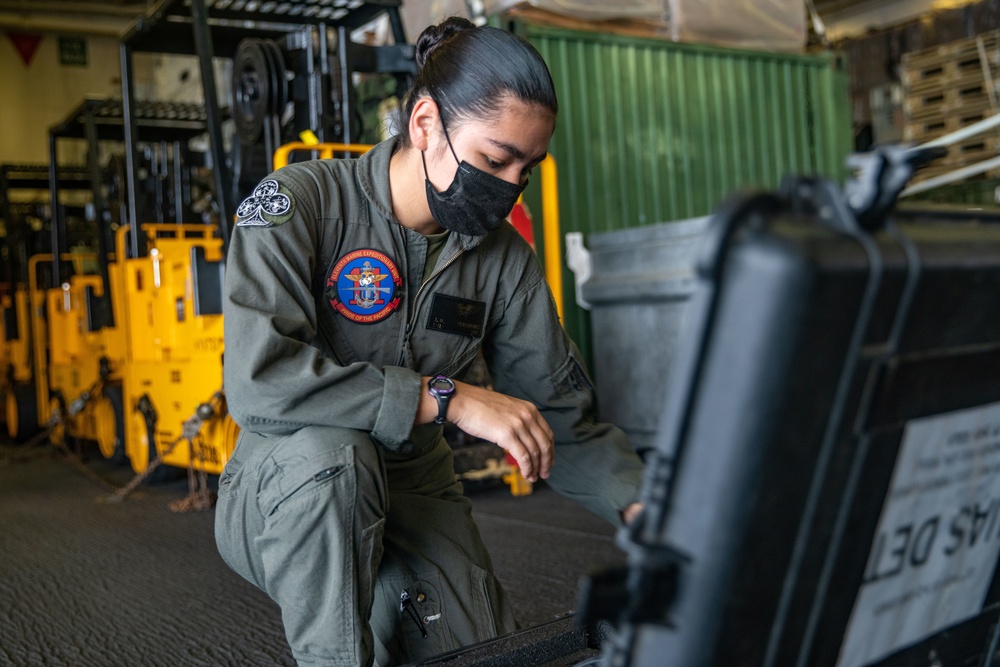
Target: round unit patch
x,y
363,286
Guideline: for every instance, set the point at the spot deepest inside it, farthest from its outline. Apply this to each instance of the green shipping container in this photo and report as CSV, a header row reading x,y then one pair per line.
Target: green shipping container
x,y
652,131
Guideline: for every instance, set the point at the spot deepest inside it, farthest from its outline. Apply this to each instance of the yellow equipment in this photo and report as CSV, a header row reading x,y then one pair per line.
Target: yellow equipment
x,y
21,197
77,361
5,307
170,302
151,384
59,358
20,410
21,402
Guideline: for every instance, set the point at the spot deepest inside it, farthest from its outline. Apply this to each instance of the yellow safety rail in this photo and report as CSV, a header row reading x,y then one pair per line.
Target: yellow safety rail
x,y
550,205
325,150
550,230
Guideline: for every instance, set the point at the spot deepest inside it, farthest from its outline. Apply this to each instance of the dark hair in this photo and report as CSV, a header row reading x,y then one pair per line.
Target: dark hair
x,y
468,70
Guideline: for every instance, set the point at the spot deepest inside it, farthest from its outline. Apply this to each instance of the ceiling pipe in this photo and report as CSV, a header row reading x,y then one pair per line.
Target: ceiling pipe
x,y
848,19
36,7
78,25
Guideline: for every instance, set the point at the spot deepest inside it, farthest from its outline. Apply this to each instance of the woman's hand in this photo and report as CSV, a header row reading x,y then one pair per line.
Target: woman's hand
x,y
631,512
515,425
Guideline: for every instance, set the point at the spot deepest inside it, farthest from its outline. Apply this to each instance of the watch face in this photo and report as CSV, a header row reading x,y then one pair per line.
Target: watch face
x,y
442,386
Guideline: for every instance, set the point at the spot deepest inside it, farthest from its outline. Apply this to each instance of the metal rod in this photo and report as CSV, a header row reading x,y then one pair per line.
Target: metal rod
x,y
10,266
346,89
270,140
953,138
964,133
38,21
396,23
324,68
158,172
55,217
100,211
952,176
220,170
131,149
178,185
316,85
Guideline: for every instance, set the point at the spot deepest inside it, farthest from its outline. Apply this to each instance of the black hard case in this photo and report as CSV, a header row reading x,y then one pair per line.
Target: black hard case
x,y
806,356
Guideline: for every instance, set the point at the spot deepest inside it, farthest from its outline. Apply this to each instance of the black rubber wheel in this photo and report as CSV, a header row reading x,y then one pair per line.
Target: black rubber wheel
x,y
22,412
110,417
163,472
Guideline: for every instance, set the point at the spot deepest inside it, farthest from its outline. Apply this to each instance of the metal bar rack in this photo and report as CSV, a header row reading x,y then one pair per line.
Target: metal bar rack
x,y
30,177
98,119
211,28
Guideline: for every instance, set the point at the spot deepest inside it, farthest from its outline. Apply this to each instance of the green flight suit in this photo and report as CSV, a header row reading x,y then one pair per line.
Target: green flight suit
x,y
333,503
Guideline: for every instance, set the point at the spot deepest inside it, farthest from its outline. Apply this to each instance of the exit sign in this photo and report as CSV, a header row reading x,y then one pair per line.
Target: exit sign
x,y
72,51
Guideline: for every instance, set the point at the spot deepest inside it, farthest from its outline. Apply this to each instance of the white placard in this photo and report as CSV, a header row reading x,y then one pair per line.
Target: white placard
x,y
938,537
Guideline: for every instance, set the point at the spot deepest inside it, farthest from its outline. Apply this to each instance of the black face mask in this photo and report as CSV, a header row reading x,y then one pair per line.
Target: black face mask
x,y
475,203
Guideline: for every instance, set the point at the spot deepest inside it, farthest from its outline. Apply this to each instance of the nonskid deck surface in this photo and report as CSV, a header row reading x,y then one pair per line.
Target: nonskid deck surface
x,y
87,582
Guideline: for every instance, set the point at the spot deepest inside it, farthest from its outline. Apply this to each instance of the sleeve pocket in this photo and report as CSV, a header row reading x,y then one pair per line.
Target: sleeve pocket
x,y
571,381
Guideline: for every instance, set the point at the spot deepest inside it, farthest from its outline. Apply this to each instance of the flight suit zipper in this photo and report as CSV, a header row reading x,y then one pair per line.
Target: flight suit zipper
x,y
420,290
405,356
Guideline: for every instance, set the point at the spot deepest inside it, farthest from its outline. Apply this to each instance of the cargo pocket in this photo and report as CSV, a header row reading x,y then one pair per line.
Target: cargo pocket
x,y
300,477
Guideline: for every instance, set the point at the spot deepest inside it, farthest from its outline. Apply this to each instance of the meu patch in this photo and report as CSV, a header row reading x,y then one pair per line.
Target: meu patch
x,y
364,286
451,314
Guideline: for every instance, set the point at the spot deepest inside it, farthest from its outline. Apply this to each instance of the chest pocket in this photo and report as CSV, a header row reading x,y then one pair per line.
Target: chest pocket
x,y
451,333
455,315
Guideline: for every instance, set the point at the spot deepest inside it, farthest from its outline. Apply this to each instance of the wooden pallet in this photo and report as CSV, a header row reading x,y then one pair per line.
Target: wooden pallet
x,y
971,151
925,128
946,101
964,154
951,59
938,169
947,88
968,78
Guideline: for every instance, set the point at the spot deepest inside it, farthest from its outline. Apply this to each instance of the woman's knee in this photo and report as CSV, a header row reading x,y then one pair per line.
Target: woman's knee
x,y
316,470
318,459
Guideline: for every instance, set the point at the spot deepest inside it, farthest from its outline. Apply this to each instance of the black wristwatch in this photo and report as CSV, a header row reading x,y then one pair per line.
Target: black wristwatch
x,y
442,389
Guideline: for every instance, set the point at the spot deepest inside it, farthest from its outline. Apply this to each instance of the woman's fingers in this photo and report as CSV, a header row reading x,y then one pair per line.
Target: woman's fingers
x,y
514,424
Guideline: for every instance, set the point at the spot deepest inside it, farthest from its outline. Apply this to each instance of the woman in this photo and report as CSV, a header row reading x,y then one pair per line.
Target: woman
x,y
358,293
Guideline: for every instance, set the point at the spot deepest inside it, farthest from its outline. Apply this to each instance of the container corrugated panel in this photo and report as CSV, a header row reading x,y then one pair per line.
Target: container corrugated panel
x,y
652,131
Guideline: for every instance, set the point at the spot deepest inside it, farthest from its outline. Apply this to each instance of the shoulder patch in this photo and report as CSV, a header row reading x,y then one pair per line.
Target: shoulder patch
x,y
364,286
270,205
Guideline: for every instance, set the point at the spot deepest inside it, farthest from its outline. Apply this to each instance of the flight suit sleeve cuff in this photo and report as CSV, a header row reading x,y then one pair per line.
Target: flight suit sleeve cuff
x,y
400,399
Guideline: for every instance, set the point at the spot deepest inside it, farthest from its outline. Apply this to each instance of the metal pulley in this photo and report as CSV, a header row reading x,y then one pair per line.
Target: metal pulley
x,y
260,87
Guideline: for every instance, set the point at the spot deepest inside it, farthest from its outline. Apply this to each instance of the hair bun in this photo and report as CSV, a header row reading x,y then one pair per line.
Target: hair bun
x,y
435,35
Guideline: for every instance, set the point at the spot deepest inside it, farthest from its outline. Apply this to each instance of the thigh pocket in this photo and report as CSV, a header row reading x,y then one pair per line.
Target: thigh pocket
x,y
492,615
290,476
415,605
369,557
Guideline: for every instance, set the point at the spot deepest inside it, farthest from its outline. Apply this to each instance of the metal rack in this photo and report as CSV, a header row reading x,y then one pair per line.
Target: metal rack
x,y
210,28
37,178
103,119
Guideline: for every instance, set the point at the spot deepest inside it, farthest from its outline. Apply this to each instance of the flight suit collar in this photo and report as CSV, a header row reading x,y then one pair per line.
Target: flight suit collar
x,y
373,175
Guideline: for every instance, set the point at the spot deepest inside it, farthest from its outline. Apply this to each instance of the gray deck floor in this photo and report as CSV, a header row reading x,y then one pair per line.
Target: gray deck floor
x,y
88,583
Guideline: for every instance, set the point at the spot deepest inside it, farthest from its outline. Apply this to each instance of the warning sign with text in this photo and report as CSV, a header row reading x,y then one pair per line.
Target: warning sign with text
x,y
938,537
